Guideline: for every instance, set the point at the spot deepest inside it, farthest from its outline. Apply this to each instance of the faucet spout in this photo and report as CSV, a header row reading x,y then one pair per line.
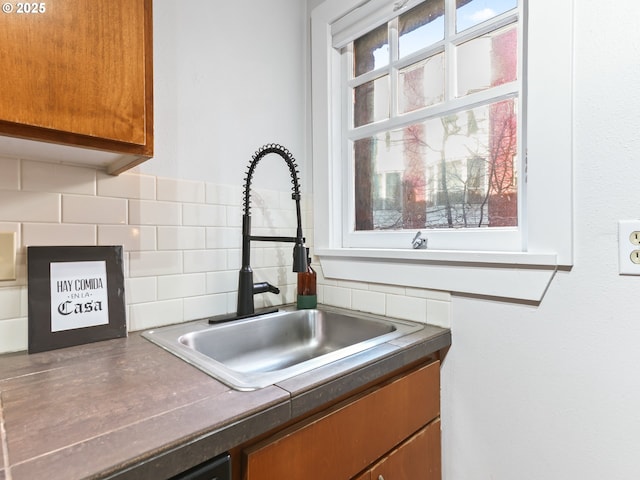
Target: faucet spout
x,y
246,287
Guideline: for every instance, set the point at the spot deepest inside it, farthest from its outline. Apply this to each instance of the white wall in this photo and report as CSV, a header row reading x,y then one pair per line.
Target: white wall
x,y
552,391
228,78
544,392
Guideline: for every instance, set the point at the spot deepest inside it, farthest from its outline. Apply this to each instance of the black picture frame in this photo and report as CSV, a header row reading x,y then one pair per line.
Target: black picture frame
x,y
61,321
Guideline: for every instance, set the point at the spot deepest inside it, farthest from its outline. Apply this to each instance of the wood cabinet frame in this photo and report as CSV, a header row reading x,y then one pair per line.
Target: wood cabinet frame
x,y
47,65
355,436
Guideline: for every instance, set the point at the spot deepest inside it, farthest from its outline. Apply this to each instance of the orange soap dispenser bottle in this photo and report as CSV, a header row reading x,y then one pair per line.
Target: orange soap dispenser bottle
x,y
307,297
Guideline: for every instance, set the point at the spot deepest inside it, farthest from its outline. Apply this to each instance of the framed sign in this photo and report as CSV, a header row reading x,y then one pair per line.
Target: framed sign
x,y
76,296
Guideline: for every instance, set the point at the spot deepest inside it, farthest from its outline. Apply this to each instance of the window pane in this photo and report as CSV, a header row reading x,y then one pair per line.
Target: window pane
x,y
371,102
421,84
487,61
473,12
449,172
421,26
371,51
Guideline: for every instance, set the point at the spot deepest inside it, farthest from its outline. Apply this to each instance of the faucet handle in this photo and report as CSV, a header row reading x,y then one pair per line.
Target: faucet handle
x,y
263,287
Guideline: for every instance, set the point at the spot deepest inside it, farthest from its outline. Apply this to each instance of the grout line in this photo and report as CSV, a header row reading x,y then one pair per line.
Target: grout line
x,y
5,446
118,429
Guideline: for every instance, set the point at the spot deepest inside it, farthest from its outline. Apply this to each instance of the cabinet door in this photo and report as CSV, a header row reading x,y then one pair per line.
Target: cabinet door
x,y
78,72
416,459
349,438
365,476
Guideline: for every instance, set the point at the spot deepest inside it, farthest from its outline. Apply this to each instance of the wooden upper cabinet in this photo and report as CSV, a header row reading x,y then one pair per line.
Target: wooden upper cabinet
x,y
79,72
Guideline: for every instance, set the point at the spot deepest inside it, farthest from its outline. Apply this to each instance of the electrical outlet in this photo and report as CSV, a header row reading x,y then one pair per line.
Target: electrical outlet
x,y
629,247
7,256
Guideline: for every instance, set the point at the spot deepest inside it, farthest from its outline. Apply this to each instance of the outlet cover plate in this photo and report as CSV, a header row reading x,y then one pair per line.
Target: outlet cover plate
x,y
629,247
7,256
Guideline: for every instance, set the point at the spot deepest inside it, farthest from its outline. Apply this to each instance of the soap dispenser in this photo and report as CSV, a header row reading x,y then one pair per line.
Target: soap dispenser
x,y
307,297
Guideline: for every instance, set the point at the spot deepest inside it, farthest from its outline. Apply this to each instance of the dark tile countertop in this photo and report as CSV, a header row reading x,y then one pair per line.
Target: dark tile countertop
x,y
126,409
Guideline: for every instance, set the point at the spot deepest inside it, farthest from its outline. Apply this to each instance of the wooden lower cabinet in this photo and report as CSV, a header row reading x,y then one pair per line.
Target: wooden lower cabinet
x,y
391,430
418,458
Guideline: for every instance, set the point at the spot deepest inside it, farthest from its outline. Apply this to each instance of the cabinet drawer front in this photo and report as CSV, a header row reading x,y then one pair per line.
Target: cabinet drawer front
x,y
345,441
417,458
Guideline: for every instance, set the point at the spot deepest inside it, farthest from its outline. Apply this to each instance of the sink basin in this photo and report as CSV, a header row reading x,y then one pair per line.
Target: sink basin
x,y
255,352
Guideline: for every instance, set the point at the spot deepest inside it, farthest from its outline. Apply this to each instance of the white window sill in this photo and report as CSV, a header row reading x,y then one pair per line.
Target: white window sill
x,y
513,275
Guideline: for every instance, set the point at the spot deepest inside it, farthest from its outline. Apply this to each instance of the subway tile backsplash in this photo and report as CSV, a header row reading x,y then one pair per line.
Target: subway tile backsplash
x,y
181,243
94,210
21,206
51,177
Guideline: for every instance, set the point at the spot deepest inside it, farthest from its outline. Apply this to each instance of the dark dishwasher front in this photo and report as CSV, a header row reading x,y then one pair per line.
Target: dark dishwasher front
x,y
218,468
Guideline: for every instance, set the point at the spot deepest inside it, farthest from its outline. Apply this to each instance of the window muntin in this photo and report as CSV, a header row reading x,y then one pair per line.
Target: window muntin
x,y
447,154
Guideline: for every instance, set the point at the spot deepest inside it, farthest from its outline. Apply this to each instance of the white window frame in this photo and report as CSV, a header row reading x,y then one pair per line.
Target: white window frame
x,y
547,235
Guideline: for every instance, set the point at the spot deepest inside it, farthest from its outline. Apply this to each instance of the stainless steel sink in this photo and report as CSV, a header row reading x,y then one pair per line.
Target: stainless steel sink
x,y
259,351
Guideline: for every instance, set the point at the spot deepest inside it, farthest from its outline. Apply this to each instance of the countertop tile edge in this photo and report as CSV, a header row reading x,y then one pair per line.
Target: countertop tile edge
x,y
3,442
306,400
207,445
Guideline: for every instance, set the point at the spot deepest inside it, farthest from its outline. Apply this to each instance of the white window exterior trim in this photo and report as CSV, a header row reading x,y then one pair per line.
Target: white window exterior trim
x,y
548,239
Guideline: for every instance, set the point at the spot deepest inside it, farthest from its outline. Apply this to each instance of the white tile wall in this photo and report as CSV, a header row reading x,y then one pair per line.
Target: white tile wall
x,y
205,260
133,238
52,177
141,187
180,190
224,237
13,334
141,290
10,178
93,210
22,206
425,306
181,286
223,194
409,308
149,212
206,306
154,314
204,215
368,301
181,238
58,234
222,281
181,242
144,264
10,302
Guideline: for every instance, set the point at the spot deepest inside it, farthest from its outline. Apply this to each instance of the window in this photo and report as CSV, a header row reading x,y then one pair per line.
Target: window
x,y
433,95
452,117
454,159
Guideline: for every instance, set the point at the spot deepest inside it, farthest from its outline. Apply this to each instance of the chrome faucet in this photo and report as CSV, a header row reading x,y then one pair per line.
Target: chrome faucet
x,y
246,288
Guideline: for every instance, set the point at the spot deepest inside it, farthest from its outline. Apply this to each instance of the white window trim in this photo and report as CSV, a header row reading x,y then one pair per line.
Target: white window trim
x,y
548,235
